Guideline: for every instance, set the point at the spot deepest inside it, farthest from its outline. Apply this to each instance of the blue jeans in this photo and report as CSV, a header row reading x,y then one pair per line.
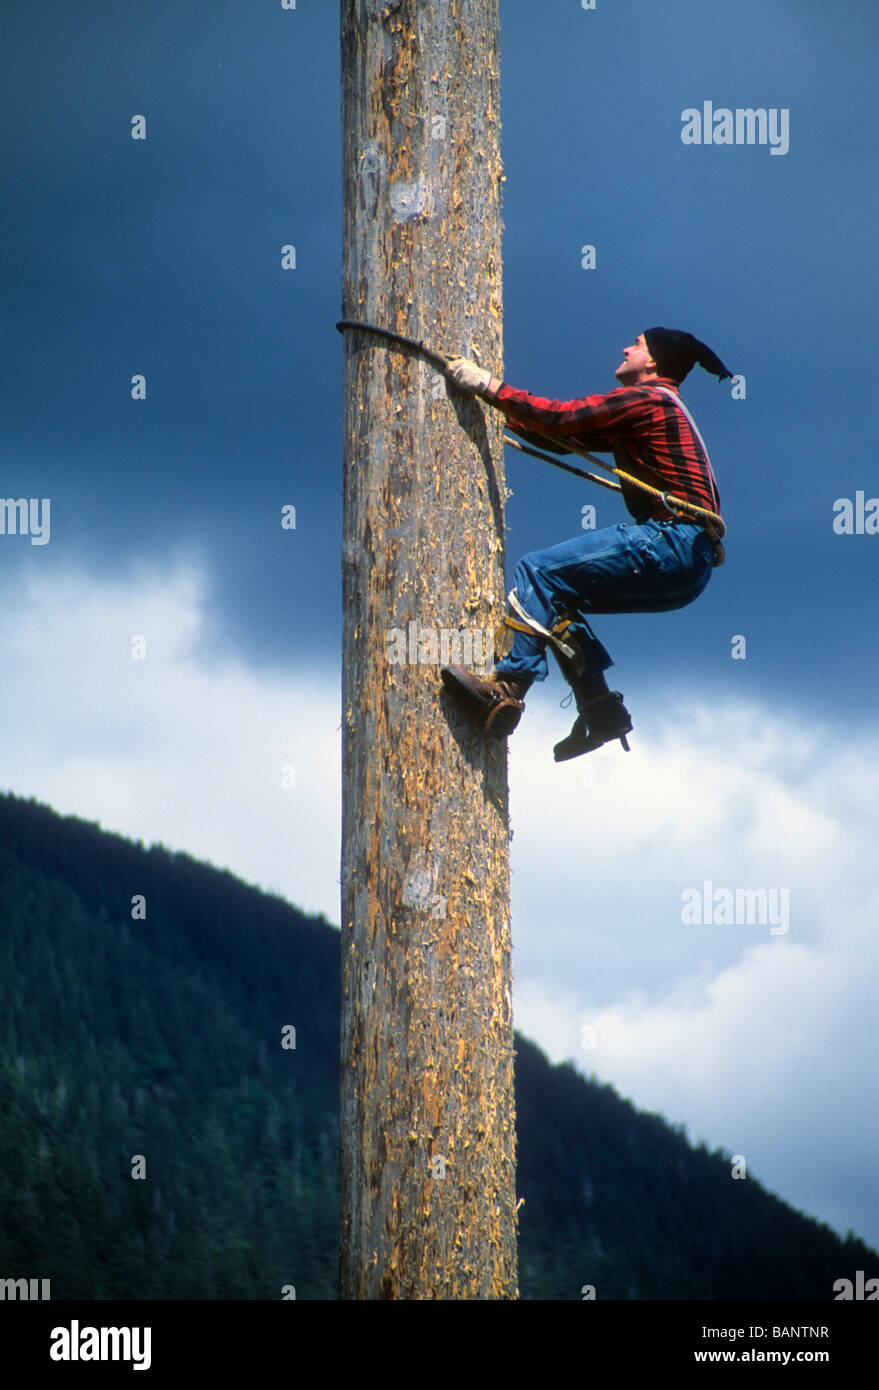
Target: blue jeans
x,y
629,568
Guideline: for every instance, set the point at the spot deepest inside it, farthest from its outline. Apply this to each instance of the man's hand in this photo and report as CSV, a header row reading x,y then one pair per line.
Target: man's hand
x,y
467,375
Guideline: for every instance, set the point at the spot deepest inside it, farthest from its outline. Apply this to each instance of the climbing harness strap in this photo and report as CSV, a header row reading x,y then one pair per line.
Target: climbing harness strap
x,y
712,529
694,427
503,642
529,624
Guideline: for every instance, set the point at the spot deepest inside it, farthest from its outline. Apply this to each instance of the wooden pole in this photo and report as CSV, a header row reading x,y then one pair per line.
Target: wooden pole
x,y
428,1121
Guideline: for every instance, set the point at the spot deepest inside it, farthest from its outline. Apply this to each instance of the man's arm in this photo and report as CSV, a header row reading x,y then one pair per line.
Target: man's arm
x,y
591,419
540,441
620,411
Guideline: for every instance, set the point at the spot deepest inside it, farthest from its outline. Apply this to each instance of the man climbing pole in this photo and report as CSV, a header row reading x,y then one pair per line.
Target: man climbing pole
x,y
661,561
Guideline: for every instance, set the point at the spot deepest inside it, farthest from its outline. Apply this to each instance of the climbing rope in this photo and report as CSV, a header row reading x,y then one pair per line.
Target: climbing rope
x,y
714,523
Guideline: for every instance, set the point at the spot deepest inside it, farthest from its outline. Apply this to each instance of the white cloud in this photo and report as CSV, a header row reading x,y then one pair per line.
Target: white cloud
x,y
172,748
760,1043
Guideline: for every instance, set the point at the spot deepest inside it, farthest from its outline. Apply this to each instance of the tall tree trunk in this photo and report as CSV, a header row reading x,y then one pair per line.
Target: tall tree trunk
x,y
428,1122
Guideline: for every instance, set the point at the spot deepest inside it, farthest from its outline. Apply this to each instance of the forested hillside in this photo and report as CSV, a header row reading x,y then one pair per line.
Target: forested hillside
x,y
145,1003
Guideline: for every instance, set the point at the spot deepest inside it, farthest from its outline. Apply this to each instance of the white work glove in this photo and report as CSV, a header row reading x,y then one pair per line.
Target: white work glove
x,y
467,375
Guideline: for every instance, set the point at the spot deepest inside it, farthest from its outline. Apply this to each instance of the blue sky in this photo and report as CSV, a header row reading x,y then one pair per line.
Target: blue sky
x,y
163,257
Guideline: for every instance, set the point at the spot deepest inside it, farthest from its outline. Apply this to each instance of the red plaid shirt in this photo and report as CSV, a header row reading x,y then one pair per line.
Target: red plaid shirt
x,y
636,424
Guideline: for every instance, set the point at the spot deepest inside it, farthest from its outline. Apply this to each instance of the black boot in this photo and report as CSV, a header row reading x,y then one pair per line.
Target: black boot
x,y
598,721
496,701
601,714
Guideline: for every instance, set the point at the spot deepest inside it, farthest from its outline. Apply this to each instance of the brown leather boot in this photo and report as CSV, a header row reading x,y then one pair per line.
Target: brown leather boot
x,y
497,701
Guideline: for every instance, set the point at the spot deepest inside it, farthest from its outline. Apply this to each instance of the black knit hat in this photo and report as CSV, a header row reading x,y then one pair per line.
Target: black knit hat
x,y
675,353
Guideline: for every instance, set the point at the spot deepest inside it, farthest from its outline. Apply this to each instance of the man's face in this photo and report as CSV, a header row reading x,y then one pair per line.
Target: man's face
x,y
636,364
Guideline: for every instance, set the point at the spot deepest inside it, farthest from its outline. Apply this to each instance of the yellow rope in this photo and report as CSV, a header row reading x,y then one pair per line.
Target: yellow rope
x,y
716,523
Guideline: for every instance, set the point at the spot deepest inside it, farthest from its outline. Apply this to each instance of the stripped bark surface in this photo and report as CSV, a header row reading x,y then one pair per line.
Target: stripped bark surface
x,y
428,1123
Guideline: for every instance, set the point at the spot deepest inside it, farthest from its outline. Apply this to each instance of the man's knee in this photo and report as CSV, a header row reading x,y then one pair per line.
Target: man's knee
x,y
530,563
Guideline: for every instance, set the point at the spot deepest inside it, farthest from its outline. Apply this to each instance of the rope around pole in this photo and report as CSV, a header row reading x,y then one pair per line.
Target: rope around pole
x,y
557,463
